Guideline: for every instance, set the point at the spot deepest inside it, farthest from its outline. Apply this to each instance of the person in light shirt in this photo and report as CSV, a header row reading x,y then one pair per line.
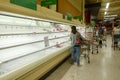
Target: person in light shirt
x,y
116,35
75,47
88,32
104,36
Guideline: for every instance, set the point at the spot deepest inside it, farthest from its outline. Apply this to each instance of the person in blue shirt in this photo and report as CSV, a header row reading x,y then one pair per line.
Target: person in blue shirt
x,y
100,35
100,31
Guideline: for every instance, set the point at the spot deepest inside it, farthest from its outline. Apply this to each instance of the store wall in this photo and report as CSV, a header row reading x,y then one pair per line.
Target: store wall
x,y
64,6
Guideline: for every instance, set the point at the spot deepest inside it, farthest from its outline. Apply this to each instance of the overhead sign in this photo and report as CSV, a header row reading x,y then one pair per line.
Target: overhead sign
x,y
32,4
69,16
78,17
92,24
48,2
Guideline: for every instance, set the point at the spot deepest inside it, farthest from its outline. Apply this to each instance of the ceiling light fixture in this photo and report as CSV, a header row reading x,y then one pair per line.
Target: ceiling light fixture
x,y
108,16
107,5
113,15
105,13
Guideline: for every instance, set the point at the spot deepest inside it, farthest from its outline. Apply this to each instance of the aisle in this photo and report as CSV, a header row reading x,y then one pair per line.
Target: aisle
x,y
103,66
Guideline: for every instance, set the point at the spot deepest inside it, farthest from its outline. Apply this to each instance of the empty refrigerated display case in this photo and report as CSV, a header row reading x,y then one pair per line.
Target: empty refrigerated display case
x,y
29,47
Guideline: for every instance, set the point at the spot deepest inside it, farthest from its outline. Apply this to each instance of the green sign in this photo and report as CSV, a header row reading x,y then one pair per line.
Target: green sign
x,y
32,4
78,17
48,2
92,24
81,21
69,16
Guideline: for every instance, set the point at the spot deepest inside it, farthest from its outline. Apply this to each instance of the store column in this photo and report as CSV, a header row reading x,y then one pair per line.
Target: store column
x,y
87,16
83,10
38,1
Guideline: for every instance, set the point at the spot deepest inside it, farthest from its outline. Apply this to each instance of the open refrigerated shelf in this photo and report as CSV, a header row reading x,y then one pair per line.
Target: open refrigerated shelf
x,y
29,59
23,44
5,54
31,46
19,40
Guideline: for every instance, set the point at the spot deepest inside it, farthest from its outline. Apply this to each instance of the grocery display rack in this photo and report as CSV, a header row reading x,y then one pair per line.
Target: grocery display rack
x,y
26,43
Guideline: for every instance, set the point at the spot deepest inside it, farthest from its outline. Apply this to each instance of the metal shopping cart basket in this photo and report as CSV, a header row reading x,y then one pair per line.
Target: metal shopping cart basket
x,y
93,45
85,51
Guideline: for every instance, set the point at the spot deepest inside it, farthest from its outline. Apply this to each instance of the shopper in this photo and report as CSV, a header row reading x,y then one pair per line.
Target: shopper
x,y
96,34
100,34
116,36
88,34
75,47
119,32
100,31
105,36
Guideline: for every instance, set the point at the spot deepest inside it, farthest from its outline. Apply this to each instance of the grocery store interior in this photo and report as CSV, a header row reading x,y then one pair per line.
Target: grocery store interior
x,y
36,43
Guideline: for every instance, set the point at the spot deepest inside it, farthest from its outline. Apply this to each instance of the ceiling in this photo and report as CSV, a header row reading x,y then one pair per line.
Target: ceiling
x,y
113,9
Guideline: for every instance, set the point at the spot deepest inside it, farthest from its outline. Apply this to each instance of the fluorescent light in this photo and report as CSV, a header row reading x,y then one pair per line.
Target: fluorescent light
x,y
110,18
113,15
105,16
105,13
107,5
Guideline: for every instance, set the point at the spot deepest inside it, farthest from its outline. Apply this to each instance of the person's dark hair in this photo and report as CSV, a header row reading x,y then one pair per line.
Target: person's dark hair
x,y
74,31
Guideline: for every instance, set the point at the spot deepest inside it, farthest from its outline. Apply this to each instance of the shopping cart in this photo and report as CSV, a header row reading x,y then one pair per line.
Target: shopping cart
x,y
85,51
102,41
94,45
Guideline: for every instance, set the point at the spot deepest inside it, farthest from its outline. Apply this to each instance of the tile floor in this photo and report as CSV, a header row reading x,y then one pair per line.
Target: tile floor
x,y
103,66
